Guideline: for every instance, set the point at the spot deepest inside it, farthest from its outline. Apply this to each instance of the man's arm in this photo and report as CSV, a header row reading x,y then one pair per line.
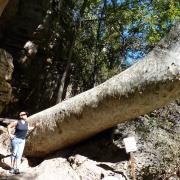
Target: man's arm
x,y
33,126
11,126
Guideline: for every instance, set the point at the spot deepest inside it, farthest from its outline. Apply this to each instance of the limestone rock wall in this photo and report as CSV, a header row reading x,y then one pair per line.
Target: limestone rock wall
x,y
22,22
6,70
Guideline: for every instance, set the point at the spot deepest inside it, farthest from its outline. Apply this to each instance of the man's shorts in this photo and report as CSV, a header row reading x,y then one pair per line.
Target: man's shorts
x,y
17,146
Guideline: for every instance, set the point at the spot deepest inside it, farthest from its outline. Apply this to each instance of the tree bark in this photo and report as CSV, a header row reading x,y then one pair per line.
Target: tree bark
x,y
149,84
61,89
3,4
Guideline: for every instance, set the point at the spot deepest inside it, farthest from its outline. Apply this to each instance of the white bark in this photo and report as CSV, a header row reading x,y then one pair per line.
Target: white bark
x,y
147,85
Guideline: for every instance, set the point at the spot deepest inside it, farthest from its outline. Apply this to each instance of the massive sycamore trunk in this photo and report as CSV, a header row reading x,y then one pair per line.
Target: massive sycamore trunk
x,y
147,85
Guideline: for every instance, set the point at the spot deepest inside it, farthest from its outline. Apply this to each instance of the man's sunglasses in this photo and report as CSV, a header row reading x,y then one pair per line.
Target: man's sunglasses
x,y
23,115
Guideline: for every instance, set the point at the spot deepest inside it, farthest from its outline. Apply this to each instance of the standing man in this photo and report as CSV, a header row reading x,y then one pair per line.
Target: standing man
x,y
18,140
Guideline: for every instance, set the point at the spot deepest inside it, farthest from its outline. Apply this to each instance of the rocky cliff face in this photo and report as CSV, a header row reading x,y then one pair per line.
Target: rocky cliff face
x,y
6,69
20,23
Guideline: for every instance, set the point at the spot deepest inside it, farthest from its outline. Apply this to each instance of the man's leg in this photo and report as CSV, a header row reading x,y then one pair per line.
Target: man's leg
x,y
14,146
20,150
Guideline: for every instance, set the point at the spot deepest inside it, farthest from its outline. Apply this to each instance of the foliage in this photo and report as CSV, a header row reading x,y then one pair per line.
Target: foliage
x,y
97,38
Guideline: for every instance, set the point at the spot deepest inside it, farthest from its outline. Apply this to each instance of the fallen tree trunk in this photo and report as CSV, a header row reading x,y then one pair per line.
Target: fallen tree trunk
x,y
6,121
147,85
3,4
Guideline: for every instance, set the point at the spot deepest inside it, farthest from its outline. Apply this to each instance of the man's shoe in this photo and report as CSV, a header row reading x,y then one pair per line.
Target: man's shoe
x,y
16,171
12,171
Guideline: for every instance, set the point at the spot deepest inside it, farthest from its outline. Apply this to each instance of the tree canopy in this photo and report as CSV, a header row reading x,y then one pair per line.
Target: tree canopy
x,y
104,35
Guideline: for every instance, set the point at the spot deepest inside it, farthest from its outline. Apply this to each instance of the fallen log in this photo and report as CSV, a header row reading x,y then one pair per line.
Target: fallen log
x,y
149,84
7,120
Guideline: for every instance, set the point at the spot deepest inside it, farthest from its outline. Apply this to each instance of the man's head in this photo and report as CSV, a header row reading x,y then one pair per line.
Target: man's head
x,y
23,115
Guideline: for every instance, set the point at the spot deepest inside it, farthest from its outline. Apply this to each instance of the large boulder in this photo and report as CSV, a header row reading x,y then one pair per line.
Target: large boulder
x,y
6,69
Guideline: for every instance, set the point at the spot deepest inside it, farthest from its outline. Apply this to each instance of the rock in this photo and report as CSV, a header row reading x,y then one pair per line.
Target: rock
x,y
56,168
6,70
6,65
110,178
76,167
2,129
4,144
158,144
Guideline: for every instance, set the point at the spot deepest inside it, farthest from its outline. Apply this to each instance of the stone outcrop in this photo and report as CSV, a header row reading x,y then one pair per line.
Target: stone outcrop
x,y
26,23
6,69
16,30
3,4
